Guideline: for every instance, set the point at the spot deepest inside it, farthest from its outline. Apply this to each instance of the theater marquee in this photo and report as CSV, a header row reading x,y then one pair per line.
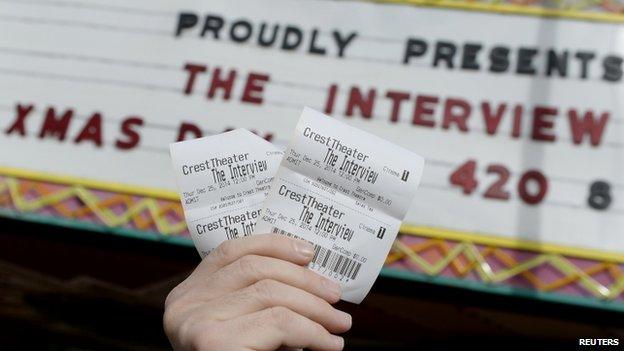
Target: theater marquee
x,y
519,117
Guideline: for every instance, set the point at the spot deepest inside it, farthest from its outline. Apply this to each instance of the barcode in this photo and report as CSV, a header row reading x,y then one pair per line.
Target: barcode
x,y
329,259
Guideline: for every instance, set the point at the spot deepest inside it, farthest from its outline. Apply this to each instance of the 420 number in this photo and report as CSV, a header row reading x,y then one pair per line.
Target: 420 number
x,y
464,177
599,197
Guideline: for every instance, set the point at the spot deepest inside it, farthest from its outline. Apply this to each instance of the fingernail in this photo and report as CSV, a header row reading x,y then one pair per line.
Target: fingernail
x,y
339,342
333,289
304,248
345,317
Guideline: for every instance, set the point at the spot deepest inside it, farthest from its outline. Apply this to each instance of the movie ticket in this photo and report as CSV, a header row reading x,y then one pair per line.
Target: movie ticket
x,y
346,191
223,180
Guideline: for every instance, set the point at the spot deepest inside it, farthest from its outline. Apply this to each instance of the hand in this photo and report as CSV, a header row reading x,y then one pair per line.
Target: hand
x,y
255,293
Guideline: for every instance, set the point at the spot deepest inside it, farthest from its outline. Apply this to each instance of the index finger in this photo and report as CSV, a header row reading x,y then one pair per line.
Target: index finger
x,y
272,245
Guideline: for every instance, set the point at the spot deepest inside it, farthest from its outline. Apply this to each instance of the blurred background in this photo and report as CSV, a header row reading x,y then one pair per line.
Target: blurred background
x,y
515,237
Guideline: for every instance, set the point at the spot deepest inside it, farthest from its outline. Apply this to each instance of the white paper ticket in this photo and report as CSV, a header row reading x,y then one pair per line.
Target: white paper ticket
x,y
346,191
223,180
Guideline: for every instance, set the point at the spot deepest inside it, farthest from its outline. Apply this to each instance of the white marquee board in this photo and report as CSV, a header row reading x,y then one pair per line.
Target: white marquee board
x,y
534,104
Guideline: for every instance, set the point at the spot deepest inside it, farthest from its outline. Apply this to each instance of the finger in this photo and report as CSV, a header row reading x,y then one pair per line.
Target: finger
x,y
271,293
252,268
278,326
271,245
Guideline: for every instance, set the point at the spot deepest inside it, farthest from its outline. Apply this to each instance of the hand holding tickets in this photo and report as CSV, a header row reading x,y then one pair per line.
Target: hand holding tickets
x,y
342,189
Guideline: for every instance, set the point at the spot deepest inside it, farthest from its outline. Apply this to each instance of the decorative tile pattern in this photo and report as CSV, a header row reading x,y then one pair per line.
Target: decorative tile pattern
x,y
415,252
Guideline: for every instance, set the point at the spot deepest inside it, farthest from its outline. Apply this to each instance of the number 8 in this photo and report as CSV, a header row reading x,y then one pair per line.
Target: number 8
x,y
599,195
